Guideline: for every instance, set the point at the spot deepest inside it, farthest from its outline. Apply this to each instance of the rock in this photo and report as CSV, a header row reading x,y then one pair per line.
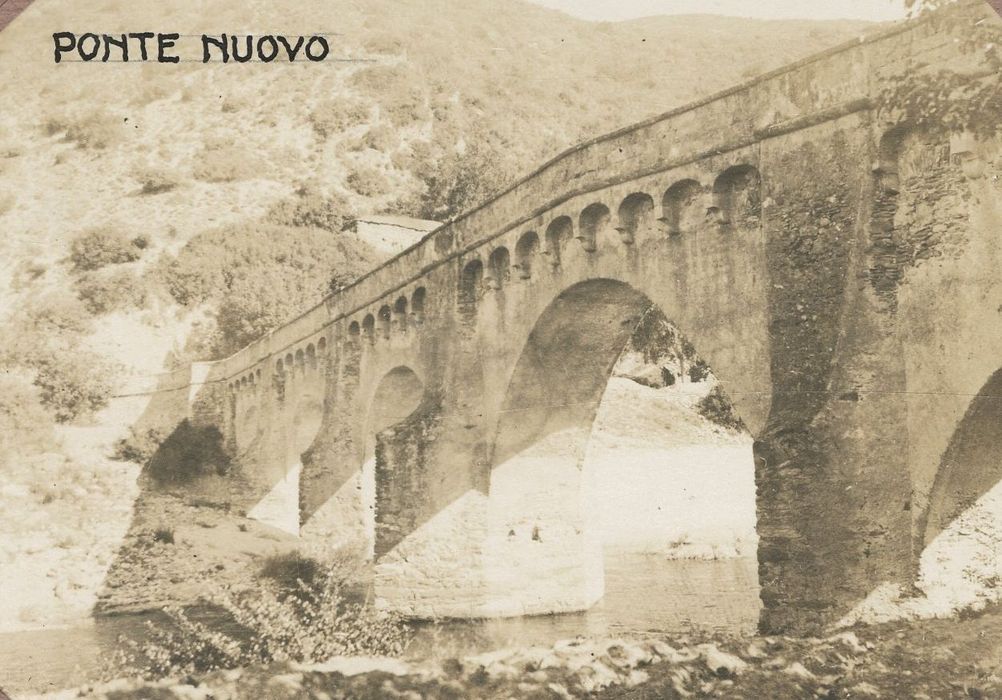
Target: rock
x,y
724,665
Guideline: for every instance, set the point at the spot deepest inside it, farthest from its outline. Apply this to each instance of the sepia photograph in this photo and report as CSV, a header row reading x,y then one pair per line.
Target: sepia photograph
x,y
544,349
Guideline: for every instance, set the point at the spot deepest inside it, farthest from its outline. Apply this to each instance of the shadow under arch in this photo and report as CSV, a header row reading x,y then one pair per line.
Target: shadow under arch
x,y
971,465
393,418
543,553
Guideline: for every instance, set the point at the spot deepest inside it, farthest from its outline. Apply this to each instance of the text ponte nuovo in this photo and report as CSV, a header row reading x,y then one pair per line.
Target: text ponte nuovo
x,y
162,47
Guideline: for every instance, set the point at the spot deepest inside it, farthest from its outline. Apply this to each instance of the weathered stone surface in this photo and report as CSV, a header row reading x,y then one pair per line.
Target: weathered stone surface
x,y
839,274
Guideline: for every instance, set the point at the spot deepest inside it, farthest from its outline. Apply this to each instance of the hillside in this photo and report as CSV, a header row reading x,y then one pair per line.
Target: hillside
x,y
154,214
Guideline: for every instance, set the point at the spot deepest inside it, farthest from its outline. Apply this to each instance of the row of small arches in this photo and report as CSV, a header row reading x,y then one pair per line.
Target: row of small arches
x,y
302,359
399,316
298,360
736,201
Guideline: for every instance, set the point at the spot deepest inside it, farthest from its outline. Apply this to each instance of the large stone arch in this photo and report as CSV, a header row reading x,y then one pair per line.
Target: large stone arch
x,y
541,555
972,463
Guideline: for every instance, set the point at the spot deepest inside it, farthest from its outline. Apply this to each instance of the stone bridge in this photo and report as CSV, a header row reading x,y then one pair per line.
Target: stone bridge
x,y
836,268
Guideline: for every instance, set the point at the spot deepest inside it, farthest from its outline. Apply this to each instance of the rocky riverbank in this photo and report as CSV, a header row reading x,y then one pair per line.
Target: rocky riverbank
x,y
929,659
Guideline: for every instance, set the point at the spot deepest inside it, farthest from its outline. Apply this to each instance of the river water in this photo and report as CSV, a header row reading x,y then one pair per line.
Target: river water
x,y
645,594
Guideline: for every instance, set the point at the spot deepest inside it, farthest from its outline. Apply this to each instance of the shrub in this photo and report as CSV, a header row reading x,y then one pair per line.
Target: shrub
x,y
288,568
188,453
164,535
368,181
379,138
460,182
259,275
97,130
313,625
56,316
339,114
104,291
138,446
699,371
717,408
156,180
310,208
100,247
74,382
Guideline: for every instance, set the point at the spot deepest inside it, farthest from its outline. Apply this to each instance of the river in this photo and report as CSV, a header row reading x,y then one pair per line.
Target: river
x,y
645,594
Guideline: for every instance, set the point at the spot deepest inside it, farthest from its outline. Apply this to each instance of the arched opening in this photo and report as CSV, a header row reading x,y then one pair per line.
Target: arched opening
x,y
620,471
470,286
311,357
354,331
387,457
400,313
500,268
737,197
385,321
289,363
417,305
961,528
300,361
681,207
636,217
558,233
593,220
279,368
369,327
322,343
525,254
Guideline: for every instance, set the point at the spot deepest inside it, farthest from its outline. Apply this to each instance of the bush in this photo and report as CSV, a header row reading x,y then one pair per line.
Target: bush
x,y
259,275
460,182
104,291
57,316
339,114
188,453
313,625
164,535
74,382
138,447
368,181
98,248
156,180
310,208
96,130
717,408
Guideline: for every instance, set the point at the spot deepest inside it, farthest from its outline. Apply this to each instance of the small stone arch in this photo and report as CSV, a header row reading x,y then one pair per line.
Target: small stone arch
x,y
593,220
400,313
417,304
369,327
300,360
680,207
737,197
558,233
525,253
311,356
354,330
322,345
279,367
636,216
257,375
289,362
385,320
499,271
470,285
